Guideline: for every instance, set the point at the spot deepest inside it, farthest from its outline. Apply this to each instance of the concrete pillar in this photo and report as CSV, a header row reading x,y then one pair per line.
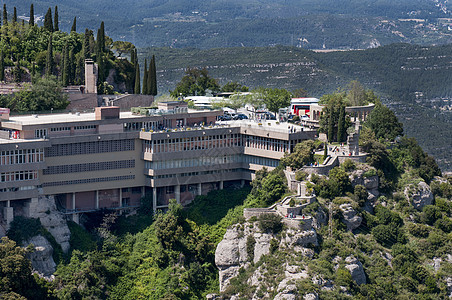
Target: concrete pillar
x,y
8,215
221,185
242,183
120,197
73,201
177,193
199,189
76,218
97,199
154,198
143,194
31,207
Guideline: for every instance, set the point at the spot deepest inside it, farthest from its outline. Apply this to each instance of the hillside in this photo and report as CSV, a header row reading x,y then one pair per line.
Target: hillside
x,y
413,80
305,23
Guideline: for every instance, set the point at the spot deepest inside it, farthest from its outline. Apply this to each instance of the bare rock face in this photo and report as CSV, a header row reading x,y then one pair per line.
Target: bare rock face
x,y
350,216
41,259
356,270
53,220
419,195
300,238
311,296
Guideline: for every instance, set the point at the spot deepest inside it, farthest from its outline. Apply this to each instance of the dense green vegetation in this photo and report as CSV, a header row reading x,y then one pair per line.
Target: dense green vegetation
x,y
222,23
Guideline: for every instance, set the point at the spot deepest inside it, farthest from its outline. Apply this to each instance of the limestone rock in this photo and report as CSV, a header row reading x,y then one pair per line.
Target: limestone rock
x,y
41,259
350,216
52,220
311,296
289,292
356,270
300,238
449,286
419,195
262,246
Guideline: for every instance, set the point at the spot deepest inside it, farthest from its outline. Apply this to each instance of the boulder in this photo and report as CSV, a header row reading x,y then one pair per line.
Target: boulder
x,y
299,238
419,195
350,216
262,246
52,220
41,259
356,270
311,296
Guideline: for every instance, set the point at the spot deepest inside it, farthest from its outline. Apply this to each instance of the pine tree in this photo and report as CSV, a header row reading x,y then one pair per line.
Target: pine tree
x,y
5,15
144,91
341,125
48,22
137,88
2,67
32,16
56,27
153,75
74,25
15,16
49,59
86,46
65,75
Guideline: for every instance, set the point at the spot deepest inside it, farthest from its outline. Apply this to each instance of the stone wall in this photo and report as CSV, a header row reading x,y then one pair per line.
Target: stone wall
x,y
126,102
256,212
80,102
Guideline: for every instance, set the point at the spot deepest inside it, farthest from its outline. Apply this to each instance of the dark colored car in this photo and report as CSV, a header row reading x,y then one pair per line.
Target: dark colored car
x,y
224,118
269,116
240,117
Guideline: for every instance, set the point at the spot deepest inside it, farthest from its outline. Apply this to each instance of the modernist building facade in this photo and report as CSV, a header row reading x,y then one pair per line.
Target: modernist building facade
x,y
111,159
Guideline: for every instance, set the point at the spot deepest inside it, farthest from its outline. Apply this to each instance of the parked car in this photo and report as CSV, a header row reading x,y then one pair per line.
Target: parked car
x,y
305,118
269,116
224,118
240,117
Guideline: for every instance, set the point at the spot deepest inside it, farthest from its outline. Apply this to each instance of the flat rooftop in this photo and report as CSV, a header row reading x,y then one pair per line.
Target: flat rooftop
x,y
270,125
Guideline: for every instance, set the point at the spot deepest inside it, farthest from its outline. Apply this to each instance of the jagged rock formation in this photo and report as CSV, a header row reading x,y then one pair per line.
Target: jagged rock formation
x,y
52,220
350,216
360,177
356,270
41,259
419,195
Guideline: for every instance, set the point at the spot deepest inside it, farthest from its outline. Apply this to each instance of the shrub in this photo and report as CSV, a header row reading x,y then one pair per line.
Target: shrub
x,y
292,202
274,245
348,165
300,175
250,243
430,214
270,223
360,194
370,173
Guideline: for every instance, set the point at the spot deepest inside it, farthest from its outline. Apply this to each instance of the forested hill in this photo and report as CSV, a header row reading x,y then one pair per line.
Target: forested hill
x,y
312,24
413,80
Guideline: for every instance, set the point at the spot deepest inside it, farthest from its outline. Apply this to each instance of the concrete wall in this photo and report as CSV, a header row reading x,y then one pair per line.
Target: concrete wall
x,y
256,212
126,102
82,102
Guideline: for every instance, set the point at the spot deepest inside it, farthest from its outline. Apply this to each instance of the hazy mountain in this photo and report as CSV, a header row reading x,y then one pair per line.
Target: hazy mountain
x,y
309,24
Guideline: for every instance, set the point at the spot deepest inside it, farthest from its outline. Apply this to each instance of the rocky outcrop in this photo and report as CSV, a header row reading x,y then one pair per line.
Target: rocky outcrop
x,y
295,238
371,183
419,195
52,220
41,259
356,270
350,216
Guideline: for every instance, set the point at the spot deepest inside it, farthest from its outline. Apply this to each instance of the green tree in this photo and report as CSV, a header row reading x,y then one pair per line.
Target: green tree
x,y
341,130
137,87
74,25
329,120
14,16
2,67
274,98
303,154
195,82
86,44
31,22
145,89
56,26
153,77
5,15
48,22
101,38
234,86
49,58
384,122
66,66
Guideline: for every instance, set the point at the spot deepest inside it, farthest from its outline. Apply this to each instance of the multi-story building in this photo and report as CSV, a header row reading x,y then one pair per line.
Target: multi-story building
x,y
111,159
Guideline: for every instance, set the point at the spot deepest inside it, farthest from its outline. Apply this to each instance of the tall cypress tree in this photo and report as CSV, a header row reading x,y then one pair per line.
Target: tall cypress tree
x,y
149,80
330,125
65,75
5,15
137,88
74,25
56,27
49,59
15,15
48,22
153,77
144,91
133,56
101,37
86,47
2,67
71,66
32,16
341,125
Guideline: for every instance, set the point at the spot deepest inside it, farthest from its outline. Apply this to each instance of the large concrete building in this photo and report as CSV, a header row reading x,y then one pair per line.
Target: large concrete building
x,y
110,159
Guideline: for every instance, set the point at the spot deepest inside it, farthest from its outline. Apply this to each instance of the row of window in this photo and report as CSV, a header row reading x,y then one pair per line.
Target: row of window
x,y
194,143
90,180
84,127
210,161
197,173
89,167
23,156
264,143
60,129
18,176
90,147
16,189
